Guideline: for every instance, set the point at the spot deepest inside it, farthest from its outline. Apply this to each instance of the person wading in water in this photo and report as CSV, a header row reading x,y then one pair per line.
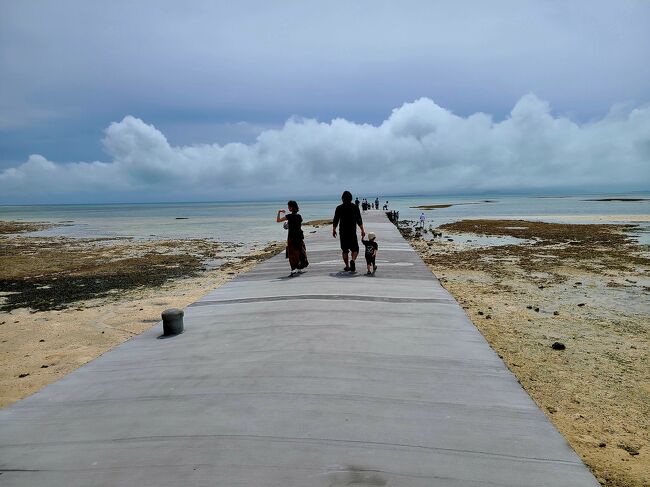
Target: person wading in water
x,y
348,216
296,250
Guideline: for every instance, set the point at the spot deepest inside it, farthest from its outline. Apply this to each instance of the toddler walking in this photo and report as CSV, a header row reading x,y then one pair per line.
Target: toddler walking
x,y
371,252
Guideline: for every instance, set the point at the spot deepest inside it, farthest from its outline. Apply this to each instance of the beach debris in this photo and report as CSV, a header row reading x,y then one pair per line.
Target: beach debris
x,y
629,448
20,376
41,340
558,346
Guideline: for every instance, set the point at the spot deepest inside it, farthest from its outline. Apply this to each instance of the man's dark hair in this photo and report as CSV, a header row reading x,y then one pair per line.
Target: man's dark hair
x,y
293,206
346,197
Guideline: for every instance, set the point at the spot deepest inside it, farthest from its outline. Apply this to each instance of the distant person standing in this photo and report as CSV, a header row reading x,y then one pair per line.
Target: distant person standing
x,y
422,219
347,217
357,202
386,206
296,250
377,203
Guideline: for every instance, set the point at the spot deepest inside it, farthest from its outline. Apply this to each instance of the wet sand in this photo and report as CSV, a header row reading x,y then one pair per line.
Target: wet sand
x,y
64,302
585,287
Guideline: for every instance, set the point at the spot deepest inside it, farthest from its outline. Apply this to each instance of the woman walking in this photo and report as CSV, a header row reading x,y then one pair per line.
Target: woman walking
x,y
296,250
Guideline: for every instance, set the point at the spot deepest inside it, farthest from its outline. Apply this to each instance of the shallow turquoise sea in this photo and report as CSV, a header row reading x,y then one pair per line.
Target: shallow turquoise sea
x,y
254,222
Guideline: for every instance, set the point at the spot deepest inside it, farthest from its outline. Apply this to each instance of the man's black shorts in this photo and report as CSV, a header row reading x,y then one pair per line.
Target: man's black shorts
x,y
349,243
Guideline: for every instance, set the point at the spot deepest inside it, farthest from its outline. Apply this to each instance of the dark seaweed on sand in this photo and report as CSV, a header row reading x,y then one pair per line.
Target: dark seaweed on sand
x,y
58,290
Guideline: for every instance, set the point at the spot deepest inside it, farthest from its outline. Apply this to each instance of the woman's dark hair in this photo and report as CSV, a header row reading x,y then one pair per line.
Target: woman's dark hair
x,y
346,197
293,206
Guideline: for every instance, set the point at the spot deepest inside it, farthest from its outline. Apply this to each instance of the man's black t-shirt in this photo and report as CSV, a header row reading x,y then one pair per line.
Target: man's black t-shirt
x,y
294,220
347,216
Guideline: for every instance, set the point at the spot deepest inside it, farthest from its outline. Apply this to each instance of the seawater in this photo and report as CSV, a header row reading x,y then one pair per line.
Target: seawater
x,y
253,223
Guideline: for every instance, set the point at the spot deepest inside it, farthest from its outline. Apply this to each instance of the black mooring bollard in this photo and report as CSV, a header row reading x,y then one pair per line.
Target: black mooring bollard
x,y
172,321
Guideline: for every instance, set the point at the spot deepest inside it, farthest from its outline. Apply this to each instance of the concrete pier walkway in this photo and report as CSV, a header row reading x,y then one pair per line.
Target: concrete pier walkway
x,y
326,379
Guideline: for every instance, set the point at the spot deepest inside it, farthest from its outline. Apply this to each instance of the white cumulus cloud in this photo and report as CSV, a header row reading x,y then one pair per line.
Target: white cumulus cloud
x,y
421,147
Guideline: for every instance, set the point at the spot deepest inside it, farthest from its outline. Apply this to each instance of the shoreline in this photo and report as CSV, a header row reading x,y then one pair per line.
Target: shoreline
x,y
560,286
46,334
592,297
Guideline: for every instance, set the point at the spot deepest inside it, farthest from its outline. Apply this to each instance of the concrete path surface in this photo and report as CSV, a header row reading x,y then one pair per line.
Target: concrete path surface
x,y
325,379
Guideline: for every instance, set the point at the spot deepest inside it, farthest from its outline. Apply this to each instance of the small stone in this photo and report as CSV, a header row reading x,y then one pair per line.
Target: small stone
x,y
556,313
602,444
541,287
41,340
558,346
480,313
536,310
44,366
529,307
488,317
578,283
629,448
551,410
581,304
22,375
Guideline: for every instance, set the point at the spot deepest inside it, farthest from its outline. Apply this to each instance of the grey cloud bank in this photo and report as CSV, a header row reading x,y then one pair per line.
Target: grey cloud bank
x,y
420,148
69,67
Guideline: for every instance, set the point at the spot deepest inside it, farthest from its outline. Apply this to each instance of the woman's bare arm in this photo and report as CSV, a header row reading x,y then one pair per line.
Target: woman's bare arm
x,y
281,218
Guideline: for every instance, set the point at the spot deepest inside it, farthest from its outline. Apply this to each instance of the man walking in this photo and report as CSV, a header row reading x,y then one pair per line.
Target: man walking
x,y
348,216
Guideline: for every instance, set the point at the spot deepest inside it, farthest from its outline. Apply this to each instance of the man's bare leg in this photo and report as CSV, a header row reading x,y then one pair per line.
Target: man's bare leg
x,y
352,263
345,259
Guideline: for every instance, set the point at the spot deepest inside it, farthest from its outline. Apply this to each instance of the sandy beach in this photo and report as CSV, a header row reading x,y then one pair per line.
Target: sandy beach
x,y
66,301
585,288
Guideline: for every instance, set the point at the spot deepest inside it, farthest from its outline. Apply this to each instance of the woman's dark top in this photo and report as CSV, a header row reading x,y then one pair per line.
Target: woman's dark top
x,y
295,233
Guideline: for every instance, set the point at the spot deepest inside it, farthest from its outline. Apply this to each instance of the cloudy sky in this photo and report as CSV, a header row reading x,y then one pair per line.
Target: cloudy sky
x,y
211,100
